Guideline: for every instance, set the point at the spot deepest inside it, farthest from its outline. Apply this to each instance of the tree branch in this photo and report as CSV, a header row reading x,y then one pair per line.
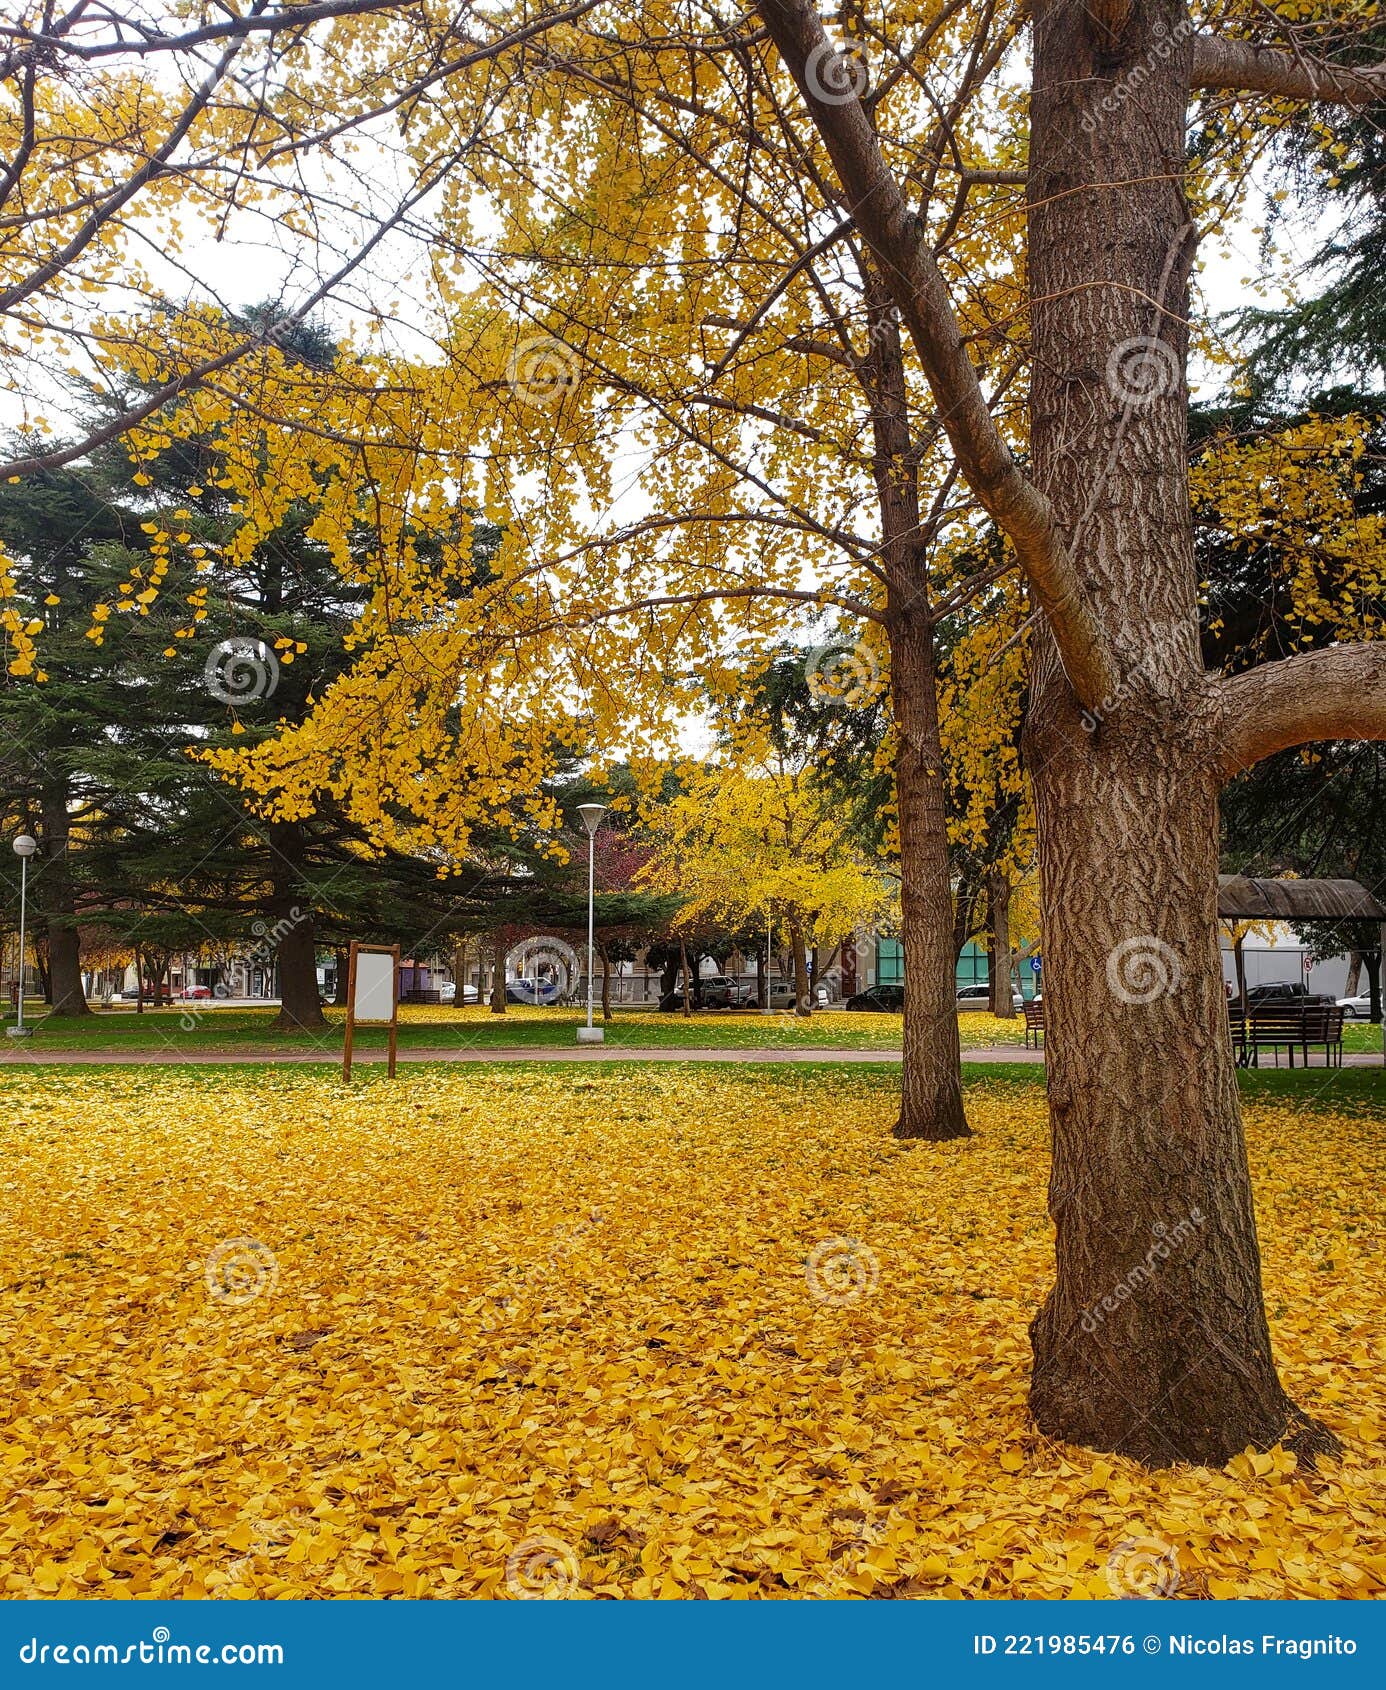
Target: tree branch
x,y
1242,67
903,252
1338,693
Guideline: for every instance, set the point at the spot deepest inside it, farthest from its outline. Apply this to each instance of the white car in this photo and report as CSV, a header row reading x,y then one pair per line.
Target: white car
x,y
1358,1008
447,993
979,997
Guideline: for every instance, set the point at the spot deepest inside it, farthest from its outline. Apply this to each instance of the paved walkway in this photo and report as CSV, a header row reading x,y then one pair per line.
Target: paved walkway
x,y
11,1057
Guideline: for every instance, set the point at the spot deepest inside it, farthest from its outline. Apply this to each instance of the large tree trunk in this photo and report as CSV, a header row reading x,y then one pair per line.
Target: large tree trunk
x,y
1354,974
999,899
1153,1341
1239,960
339,978
294,931
498,974
58,900
931,1104
803,995
606,983
1371,961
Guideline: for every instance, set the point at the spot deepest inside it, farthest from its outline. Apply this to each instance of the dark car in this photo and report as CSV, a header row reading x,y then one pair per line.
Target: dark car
x,y
889,999
1283,991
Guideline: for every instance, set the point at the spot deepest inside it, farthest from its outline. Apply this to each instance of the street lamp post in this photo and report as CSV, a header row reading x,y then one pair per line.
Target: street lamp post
x,y
591,818
24,847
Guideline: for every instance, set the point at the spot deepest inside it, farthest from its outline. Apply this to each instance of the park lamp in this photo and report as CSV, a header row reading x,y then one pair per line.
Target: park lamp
x,y
591,819
24,847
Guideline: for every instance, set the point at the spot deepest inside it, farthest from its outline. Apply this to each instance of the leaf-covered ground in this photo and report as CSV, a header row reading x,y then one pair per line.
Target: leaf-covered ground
x,y
618,1332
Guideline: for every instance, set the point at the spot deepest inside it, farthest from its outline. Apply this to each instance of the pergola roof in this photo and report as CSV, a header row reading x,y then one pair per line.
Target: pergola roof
x,y
1244,899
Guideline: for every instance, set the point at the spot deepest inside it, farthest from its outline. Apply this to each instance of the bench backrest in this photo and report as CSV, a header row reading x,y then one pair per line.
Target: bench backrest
x,y
1034,1015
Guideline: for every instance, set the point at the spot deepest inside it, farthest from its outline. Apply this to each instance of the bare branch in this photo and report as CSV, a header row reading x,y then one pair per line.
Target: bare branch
x,y
1338,693
1244,68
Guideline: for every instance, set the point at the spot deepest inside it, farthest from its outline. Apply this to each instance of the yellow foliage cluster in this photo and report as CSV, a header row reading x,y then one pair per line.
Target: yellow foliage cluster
x,y
643,1332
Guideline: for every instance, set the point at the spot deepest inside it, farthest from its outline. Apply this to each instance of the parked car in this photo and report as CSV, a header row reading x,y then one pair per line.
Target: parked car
x,y
195,992
888,999
1358,1008
979,997
721,991
532,991
1283,991
448,992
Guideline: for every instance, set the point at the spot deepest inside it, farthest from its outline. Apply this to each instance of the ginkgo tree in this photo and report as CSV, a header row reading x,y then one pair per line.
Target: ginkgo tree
x,y
761,841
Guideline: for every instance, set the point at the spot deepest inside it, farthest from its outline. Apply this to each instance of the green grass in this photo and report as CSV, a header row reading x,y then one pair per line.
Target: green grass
x,y
199,1028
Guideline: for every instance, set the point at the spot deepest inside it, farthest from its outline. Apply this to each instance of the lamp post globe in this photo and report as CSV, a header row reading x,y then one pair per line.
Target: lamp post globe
x,y
591,819
24,847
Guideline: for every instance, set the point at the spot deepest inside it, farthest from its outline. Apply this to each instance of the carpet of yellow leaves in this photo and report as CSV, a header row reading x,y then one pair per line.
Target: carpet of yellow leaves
x,y
618,1332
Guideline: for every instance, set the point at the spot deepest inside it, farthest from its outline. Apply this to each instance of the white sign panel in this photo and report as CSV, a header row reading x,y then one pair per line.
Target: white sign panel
x,y
374,999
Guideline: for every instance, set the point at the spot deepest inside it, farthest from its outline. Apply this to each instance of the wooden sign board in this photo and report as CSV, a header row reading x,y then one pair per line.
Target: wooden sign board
x,y
372,996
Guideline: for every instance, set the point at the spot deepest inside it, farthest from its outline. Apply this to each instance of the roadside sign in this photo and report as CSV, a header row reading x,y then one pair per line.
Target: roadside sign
x,y
1036,965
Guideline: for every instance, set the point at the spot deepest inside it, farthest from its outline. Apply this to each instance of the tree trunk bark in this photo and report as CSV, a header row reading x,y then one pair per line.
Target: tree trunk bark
x,y
683,964
294,932
931,1105
1354,974
498,974
1371,961
931,1101
606,983
1153,1341
803,997
762,979
1002,1001
339,978
1239,959
59,903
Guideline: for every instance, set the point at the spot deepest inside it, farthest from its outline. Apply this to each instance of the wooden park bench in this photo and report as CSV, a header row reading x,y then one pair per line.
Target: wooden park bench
x,y
1034,1024
1273,1026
